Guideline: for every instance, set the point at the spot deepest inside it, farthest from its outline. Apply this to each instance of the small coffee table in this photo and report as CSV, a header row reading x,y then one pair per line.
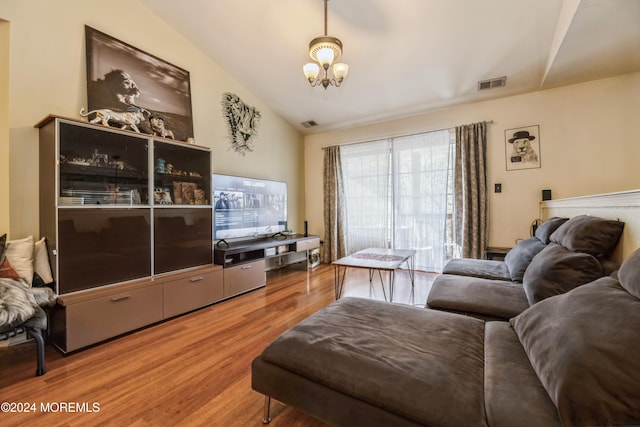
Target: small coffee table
x,y
375,259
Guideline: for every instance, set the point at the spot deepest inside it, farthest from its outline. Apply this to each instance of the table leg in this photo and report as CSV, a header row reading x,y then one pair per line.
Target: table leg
x,y
384,293
411,271
339,282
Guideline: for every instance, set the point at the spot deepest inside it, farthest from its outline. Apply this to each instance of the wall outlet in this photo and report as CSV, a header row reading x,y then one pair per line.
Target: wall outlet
x,y
497,188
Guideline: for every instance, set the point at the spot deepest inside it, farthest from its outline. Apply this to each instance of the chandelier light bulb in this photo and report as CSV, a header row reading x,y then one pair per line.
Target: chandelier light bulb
x,y
325,56
311,70
340,70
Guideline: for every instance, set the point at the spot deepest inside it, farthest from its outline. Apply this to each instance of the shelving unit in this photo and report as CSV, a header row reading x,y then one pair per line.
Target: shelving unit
x,y
128,222
245,262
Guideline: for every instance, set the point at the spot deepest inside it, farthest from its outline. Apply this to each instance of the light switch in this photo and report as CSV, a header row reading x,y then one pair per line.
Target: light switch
x,y
497,188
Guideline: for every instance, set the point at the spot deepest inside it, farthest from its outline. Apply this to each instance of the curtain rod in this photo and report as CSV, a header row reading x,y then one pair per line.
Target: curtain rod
x,y
489,122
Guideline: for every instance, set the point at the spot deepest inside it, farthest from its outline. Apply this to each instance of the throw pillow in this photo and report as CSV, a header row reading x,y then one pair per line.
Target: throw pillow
x,y
20,254
41,264
6,271
629,274
3,244
544,231
519,258
584,348
589,234
17,305
556,270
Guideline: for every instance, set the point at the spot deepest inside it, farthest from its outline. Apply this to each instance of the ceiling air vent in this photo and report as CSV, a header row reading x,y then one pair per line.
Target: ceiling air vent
x,y
491,83
309,123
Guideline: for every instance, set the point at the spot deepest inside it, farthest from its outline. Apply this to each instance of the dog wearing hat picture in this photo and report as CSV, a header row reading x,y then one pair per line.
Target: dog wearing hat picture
x,y
522,149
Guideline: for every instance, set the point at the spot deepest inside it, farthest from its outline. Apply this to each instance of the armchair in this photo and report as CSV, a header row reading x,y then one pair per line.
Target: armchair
x,y
22,300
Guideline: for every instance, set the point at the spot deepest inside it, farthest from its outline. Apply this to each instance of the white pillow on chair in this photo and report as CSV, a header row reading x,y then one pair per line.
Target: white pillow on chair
x,y
41,261
20,255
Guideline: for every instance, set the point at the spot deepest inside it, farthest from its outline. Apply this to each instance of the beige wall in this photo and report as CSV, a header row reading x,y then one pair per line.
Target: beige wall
x,y
589,145
47,76
4,127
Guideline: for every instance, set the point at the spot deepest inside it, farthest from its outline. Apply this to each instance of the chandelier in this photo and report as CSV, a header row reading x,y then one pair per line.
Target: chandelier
x,y
324,50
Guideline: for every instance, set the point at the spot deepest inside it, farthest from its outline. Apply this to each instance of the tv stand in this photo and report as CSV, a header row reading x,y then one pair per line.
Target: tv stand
x,y
222,241
244,261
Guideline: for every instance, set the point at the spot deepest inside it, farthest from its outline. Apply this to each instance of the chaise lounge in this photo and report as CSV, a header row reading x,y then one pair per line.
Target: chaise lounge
x,y
570,359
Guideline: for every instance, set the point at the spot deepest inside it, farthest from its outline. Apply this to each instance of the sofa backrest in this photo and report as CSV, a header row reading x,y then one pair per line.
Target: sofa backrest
x,y
584,346
576,254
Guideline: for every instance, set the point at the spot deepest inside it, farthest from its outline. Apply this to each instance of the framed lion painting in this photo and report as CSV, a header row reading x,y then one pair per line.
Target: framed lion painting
x,y
522,147
122,78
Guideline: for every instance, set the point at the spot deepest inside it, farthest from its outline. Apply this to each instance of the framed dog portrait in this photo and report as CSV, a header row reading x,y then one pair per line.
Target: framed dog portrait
x,y
122,78
522,147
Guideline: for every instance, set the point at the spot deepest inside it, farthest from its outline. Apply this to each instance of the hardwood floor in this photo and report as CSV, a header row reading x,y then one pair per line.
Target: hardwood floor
x,y
191,370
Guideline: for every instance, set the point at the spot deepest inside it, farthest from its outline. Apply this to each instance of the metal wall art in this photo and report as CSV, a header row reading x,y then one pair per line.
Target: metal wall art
x,y
242,122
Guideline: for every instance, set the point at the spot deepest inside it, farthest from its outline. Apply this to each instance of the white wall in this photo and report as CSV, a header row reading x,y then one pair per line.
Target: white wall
x,y
47,76
589,145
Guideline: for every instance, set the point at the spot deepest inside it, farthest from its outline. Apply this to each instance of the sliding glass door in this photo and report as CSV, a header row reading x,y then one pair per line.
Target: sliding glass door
x,y
399,194
422,190
367,187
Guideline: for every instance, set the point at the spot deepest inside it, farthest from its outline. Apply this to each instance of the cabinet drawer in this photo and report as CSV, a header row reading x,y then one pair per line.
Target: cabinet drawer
x,y
96,320
189,293
244,277
305,245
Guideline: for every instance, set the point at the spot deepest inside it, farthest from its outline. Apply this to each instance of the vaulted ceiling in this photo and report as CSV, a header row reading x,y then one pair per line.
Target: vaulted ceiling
x,y
408,56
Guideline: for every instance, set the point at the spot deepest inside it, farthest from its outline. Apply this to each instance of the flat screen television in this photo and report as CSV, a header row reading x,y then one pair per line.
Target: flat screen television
x,y
247,207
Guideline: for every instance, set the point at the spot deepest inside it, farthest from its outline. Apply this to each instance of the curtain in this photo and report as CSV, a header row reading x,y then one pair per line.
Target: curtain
x,y
365,168
471,189
421,172
334,245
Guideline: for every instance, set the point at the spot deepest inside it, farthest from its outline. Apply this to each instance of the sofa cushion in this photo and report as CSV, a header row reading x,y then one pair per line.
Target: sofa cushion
x,y
546,229
584,347
589,234
556,270
424,365
519,258
16,303
513,394
486,269
494,299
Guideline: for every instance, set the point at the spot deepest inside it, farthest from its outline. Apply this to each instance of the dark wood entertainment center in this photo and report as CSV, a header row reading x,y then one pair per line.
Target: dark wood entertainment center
x,y
128,222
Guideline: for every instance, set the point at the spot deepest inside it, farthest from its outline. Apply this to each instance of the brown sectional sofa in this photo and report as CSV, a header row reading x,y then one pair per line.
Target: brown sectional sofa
x,y
563,254
568,360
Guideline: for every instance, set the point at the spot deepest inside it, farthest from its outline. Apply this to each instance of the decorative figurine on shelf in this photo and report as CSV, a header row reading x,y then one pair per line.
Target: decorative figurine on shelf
x,y
159,165
158,129
130,118
100,160
162,196
199,194
168,169
188,193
